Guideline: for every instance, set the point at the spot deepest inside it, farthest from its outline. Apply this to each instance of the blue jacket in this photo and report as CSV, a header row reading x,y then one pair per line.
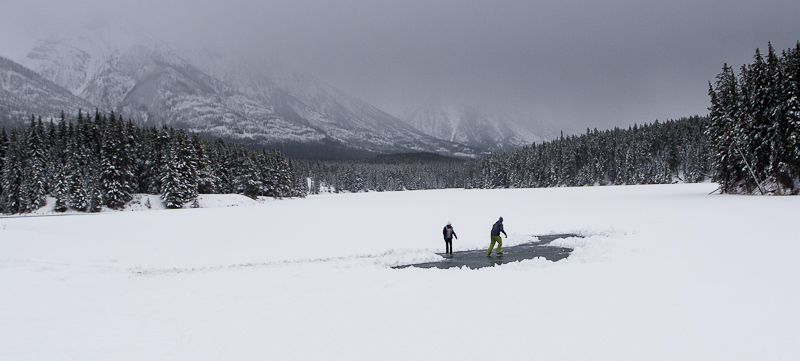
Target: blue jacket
x,y
497,228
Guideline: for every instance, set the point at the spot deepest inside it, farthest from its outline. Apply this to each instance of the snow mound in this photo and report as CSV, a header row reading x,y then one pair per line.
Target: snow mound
x,y
153,202
149,202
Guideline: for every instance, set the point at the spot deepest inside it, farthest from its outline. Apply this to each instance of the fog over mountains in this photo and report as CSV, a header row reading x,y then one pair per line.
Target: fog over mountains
x,y
477,124
263,103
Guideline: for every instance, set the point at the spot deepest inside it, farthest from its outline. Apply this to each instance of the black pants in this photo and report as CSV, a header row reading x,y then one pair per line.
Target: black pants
x,y
448,245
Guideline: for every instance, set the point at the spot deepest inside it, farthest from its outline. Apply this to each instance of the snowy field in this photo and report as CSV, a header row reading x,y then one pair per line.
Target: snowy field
x,y
665,272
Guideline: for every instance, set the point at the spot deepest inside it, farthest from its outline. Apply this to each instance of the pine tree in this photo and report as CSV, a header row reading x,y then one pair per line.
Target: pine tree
x,y
786,146
206,177
95,194
189,164
61,189
13,176
792,88
249,182
35,180
76,171
114,167
725,130
3,150
178,179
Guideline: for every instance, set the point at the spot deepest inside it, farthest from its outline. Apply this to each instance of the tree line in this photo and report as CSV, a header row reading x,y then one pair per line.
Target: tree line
x,y
755,124
88,163
662,152
395,172
657,153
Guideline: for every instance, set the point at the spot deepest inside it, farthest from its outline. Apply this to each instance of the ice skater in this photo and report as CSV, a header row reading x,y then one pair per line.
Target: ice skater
x,y
449,233
497,228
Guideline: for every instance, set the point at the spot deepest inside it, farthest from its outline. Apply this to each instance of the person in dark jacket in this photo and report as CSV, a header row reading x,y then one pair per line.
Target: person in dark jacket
x,y
497,228
449,233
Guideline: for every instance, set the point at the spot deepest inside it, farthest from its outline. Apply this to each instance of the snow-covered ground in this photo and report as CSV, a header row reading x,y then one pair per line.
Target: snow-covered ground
x,y
665,272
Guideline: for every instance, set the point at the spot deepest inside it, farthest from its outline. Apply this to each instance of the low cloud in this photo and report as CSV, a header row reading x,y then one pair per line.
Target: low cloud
x,y
575,63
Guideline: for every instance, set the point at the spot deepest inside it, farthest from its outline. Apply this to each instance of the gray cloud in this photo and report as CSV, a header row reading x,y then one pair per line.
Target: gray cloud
x,y
577,63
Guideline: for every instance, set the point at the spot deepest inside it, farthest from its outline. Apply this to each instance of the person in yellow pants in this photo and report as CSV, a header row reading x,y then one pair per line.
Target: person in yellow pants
x,y
497,228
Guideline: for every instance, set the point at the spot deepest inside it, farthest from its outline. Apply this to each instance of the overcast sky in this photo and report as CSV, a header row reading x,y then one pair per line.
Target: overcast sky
x,y
600,63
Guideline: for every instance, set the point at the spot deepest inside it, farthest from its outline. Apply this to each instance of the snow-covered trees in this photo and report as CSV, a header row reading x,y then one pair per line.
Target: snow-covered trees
x,y
3,150
100,161
34,184
755,124
179,169
13,198
662,152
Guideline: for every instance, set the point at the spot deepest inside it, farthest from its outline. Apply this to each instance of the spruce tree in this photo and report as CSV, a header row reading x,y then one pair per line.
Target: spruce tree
x,y
792,136
114,168
188,164
76,171
178,181
61,189
248,181
725,129
35,182
206,177
3,151
13,176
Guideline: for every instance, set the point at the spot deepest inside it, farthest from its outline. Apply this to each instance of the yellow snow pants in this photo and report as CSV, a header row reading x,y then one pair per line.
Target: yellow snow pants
x,y
499,241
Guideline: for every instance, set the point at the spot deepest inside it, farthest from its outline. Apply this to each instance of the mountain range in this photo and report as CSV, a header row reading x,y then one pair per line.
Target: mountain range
x,y
263,103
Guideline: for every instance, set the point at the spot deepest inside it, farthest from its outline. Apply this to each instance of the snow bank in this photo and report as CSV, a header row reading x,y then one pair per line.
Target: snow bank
x,y
153,202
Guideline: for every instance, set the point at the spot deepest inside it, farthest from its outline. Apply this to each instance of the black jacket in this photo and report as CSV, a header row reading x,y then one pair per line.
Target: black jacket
x,y
497,228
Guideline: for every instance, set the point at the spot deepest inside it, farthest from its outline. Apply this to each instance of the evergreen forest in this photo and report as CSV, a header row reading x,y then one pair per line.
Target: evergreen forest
x,y
662,152
755,124
88,163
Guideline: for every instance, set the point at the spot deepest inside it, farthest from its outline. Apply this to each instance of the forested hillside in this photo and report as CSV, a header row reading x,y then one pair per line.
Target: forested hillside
x,y
89,163
662,152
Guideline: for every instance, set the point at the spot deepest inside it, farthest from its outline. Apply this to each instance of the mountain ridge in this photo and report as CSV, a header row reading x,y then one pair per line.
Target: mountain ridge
x,y
23,93
157,84
265,103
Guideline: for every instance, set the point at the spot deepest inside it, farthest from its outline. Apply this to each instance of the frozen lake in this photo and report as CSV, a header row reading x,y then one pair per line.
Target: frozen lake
x,y
662,272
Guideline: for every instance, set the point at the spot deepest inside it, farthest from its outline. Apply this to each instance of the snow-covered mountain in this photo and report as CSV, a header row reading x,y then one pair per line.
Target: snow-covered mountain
x,y
316,104
155,84
476,124
24,92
